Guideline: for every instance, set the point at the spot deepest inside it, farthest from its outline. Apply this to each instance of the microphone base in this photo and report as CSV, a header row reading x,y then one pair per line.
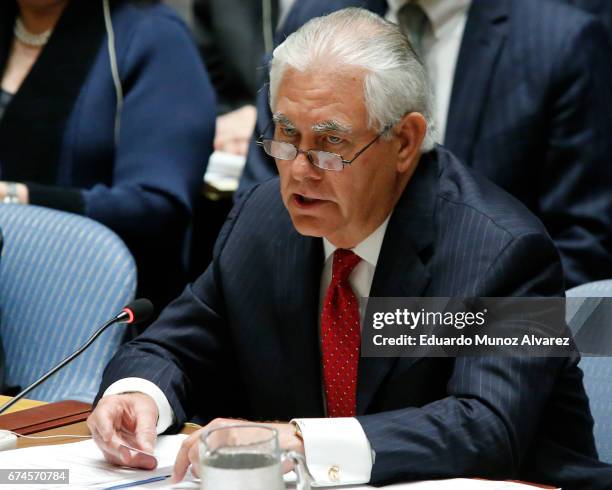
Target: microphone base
x,y
7,440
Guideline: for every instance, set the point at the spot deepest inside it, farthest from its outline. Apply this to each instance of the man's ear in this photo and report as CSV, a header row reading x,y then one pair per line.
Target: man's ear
x,y
410,131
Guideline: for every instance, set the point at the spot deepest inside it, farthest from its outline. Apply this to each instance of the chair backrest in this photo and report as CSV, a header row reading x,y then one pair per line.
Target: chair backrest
x,y
597,376
61,276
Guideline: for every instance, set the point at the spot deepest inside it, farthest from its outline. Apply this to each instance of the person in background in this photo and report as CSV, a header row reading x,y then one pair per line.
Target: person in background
x,y
233,36
106,110
2,361
522,92
183,8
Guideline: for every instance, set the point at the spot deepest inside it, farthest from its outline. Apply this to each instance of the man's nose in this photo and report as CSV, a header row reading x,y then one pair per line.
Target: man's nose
x,y
302,169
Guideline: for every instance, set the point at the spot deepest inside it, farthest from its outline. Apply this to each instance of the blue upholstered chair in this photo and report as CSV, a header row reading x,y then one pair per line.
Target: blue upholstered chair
x,y
61,277
598,376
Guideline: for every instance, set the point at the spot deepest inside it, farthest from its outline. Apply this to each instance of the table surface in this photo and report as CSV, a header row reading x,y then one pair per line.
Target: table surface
x,y
20,405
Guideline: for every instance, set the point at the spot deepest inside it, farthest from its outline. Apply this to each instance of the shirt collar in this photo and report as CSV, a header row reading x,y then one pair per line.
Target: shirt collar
x,y
368,249
439,12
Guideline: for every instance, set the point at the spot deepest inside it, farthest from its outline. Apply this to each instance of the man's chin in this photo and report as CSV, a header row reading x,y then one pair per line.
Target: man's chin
x,y
310,226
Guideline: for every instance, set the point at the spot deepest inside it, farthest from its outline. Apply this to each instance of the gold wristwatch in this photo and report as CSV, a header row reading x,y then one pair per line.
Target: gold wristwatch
x,y
298,431
11,196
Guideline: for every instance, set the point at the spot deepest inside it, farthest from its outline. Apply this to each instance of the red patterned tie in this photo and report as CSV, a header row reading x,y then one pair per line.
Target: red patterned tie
x,y
340,338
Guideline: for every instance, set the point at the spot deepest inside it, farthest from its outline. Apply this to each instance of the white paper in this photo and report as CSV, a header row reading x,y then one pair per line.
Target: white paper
x,y
89,469
454,484
86,462
224,170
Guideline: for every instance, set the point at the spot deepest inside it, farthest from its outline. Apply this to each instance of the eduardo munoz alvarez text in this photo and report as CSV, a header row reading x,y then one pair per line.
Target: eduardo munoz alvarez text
x,y
458,320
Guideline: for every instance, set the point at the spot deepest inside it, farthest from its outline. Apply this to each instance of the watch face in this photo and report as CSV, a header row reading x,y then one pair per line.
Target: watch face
x,y
298,430
11,196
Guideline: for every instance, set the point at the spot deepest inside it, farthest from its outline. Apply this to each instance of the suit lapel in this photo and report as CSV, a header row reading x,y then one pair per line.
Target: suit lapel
x,y
402,265
485,33
298,274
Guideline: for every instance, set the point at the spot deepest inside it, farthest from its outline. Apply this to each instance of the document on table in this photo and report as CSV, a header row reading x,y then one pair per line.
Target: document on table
x,y
88,469
86,463
454,484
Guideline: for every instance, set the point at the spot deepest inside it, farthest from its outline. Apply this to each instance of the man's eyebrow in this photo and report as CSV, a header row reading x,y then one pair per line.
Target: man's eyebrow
x,y
331,125
280,118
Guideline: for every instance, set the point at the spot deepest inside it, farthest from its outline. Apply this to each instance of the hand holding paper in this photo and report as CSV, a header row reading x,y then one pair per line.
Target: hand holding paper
x,y
125,429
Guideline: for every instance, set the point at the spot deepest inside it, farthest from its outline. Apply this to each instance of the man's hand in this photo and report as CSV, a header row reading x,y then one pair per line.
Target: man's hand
x,y
189,452
130,419
234,130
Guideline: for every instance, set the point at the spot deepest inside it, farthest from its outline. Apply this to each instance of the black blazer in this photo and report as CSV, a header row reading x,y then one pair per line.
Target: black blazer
x,y
531,109
242,341
230,36
2,367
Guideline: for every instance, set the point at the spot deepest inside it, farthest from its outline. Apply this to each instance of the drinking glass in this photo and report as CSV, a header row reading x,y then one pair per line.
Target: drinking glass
x,y
247,457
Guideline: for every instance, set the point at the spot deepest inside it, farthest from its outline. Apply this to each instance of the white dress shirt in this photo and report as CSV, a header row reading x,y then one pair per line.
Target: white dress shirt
x,y
441,45
337,450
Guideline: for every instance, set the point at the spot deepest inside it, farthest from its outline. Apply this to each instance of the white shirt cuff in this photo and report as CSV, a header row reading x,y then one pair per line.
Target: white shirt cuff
x,y
140,385
337,450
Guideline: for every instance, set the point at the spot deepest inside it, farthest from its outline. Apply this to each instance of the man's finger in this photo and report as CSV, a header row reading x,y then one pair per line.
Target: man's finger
x,y
182,458
124,453
145,439
110,449
137,459
119,450
95,425
106,420
110,457
181,463
194,459
101,444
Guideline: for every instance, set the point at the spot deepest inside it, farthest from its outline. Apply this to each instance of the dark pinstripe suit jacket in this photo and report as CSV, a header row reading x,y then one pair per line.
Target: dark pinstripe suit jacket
x,y
600,8
242,341
530,108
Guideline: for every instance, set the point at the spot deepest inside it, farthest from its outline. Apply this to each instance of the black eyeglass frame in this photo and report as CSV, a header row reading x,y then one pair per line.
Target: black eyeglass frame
x,y
260,142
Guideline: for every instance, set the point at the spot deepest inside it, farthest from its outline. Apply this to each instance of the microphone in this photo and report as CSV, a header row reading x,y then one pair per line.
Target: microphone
x,y
135,312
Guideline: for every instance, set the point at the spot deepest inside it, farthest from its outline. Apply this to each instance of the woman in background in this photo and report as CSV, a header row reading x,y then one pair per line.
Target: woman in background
x,y
128,148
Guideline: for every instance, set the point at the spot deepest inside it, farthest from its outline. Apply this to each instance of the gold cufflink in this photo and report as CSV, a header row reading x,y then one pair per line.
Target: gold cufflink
x,y
334,473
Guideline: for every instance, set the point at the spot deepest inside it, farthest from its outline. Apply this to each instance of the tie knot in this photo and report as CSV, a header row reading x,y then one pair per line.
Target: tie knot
x,y
344,263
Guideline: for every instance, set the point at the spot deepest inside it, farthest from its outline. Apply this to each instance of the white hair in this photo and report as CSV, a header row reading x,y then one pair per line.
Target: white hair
x,y
395,82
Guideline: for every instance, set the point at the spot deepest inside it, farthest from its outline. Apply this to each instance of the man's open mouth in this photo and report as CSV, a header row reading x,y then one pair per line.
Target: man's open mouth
x,y
304,201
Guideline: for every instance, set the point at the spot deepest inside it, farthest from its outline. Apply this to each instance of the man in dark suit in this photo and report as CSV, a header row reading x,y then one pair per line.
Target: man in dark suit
x,y
602,9
528,106
233,36
271,331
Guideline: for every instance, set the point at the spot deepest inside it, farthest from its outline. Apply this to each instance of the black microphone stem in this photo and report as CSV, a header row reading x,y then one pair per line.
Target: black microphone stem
x,y
24,392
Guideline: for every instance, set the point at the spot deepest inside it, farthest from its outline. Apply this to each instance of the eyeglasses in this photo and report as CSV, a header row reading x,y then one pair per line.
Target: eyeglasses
x,y
325,160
